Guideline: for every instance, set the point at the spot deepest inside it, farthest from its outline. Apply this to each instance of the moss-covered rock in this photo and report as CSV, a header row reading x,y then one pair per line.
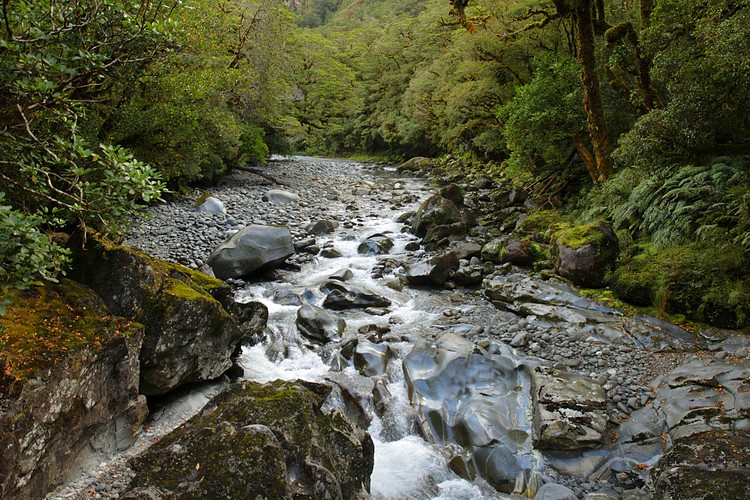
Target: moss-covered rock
x,y
714,464
693,280
192,324
518,251
418,164
270,441
70,386
585,254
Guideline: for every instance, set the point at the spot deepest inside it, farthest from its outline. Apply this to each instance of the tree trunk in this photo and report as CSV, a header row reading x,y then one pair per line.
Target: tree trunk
x,y
592,99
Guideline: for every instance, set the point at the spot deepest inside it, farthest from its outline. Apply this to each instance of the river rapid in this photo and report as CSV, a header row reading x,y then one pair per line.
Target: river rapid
x,y
434,372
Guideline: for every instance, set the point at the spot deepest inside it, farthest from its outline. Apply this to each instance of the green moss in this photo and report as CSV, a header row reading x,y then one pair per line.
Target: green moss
x,y
696,281
577,236
44,324
541,221
201,199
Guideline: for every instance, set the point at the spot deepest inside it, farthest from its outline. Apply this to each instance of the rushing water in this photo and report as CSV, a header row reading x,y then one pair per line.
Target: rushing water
x,y
406,466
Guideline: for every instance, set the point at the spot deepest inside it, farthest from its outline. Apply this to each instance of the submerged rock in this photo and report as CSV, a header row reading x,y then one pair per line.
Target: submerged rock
x,y
476,401
376,244
349,296
319,325
261,441
251,250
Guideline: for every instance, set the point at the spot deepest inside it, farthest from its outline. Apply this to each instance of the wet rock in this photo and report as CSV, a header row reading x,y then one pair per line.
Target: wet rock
x,y
465,249
319,325
321,227
433,272
349,296
376,244
369,358
342,275
471,398
254,440
75,407
329,251
586,254
280,197
468,275
251,250
212,205
569,410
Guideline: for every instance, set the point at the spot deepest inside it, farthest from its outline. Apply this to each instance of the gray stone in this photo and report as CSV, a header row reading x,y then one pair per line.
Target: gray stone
x,y
322,227
349,296
376,244
279,197
569,410
211,205
319,325
253,249
433,272
554,491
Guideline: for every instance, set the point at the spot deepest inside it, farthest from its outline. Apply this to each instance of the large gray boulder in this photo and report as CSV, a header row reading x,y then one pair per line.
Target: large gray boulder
x,y
254,248
440,217
192,323
319,325
73,407
261,441
376,244
585,254
477,402
211,204
350,296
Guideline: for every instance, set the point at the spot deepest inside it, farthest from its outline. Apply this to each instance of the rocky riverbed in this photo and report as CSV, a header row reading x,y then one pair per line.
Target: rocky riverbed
x,y
536,335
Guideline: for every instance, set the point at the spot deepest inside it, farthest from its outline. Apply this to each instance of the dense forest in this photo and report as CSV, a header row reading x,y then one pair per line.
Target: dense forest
x,y
633,112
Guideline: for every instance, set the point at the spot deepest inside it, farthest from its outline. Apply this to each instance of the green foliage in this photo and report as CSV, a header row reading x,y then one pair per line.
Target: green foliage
x,y
60,62
544,117
692,203
694,280
26,253
201,109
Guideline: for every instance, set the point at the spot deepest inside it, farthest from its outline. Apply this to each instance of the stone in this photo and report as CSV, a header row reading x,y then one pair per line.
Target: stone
x,y
433,272
349,296
439,217
418,164
77,406
713,464
252,250
269,441
554,491
321,227
586,254
570,411
280,197
369,358
212,205
376,244
319,325
192,323
342,275
467,397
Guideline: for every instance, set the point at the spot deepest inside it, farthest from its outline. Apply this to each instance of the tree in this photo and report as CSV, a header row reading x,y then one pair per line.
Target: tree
x,y
584,14
59,61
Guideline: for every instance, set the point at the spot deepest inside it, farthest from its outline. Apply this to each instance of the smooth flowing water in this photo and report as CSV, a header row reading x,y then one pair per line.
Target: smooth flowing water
x,y
406,466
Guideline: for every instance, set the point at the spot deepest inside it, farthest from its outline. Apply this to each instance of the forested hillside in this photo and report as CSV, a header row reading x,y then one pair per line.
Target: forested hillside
x,y
631,112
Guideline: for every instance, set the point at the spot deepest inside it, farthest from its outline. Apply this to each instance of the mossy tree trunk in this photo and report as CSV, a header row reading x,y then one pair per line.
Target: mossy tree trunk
x,y
581,13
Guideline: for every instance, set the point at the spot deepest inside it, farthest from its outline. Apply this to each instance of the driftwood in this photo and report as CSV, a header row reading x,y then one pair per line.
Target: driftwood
x,y
262,174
